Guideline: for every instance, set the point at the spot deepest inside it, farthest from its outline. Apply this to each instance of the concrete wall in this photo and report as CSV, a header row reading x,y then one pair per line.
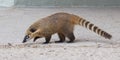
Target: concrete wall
x,y
6,3
67,3
61,3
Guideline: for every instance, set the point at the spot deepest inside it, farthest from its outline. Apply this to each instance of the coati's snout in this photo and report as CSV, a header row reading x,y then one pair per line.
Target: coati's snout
x,y
28,35
26,38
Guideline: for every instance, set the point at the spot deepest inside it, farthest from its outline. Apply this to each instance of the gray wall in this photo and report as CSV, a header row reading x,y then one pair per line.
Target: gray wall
x,y
6,3
66,3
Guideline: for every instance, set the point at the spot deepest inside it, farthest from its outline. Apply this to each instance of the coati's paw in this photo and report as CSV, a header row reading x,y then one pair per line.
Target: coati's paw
x,y
59,41
45,43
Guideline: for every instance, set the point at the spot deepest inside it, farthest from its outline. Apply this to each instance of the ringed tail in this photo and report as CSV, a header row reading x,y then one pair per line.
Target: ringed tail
x,y
94,28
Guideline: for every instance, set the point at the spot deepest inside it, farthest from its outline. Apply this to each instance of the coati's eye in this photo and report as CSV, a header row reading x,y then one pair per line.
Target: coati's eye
x,y
32,30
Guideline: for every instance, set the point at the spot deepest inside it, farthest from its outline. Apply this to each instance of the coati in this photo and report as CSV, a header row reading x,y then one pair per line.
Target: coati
x,y
62,24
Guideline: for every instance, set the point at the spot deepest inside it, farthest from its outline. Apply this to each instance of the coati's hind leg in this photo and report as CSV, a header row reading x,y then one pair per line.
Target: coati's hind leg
x,y
47,38
71,37
62,38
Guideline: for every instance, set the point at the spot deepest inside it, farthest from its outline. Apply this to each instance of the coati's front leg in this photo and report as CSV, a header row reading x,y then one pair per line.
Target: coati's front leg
x,y
71,37
47,38
62,38
35,39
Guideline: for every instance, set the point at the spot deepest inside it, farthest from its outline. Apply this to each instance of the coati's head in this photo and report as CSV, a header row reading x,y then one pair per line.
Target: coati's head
x,y
31,33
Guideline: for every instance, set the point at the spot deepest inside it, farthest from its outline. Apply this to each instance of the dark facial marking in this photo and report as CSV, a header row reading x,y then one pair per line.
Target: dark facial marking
x,y
32,29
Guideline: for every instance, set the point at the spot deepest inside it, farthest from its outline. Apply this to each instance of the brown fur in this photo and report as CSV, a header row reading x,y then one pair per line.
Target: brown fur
x,y
63,24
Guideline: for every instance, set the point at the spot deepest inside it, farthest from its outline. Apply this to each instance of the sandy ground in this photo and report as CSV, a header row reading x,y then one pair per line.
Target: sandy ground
x,y
87,46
